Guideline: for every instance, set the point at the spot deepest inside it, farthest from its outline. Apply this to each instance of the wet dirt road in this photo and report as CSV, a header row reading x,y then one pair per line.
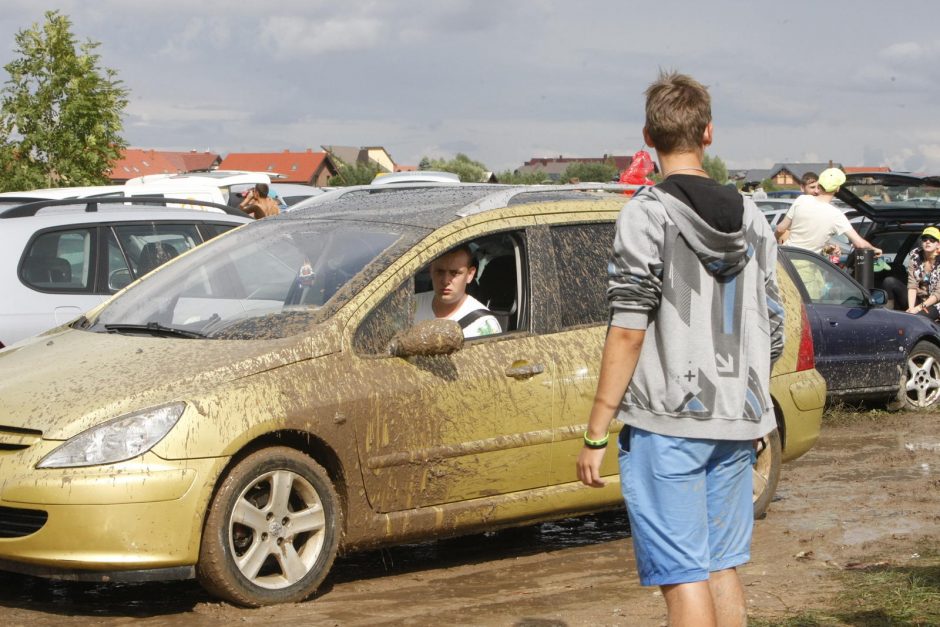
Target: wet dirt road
x,y
869,492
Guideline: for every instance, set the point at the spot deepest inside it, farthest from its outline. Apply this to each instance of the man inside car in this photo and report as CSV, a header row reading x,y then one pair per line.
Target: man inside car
x,y
451,273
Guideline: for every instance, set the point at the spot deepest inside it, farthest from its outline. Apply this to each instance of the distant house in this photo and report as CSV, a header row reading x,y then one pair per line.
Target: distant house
x,y
307,168
363,156
136,162
786,174
554,167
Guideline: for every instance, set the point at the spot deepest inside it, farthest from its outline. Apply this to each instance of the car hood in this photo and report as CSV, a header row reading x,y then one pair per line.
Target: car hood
x,y
63,382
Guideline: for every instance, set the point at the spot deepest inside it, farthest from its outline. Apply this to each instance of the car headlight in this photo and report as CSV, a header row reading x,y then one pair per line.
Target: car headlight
x,y
122,438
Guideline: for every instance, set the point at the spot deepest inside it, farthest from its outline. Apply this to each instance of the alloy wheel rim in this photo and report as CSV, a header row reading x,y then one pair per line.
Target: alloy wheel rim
x,y
923,380
277,529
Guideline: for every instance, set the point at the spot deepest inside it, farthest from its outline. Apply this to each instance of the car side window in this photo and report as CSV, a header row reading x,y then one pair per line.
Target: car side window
x,y
117,270
825,284
393,314
582,252
149,246
60,261
497,284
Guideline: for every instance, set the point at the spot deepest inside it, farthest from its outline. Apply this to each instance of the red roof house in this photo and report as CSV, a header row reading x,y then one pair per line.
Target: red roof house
x,y
308,167
141,161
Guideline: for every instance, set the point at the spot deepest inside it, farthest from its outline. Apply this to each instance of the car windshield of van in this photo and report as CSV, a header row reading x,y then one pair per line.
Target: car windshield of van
x,y
269,280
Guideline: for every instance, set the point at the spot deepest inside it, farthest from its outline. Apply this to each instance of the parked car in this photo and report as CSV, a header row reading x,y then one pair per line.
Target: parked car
x,y
60,258
774,208
293,193
864,350
265,401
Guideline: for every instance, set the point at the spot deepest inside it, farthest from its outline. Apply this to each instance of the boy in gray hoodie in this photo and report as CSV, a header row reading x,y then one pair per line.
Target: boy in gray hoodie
x,y
695,325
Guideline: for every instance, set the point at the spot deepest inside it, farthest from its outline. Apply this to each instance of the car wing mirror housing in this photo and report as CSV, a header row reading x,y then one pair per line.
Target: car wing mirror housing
x,y
428,337
878,298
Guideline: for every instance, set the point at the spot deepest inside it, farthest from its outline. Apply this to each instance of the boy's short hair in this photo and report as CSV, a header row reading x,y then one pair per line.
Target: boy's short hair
x,y
678,108
808,177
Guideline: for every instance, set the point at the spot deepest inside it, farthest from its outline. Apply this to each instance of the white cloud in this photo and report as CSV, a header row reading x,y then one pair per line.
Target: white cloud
x,y
287,36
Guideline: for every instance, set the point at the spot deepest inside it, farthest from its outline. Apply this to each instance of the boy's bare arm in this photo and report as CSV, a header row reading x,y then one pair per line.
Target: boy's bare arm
x,y
621,353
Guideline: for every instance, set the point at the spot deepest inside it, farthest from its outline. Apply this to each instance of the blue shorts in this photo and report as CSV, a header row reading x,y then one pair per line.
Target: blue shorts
x,y
690,505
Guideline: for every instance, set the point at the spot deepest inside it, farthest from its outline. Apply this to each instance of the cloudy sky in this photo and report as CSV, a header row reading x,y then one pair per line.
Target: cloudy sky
x,y
506,80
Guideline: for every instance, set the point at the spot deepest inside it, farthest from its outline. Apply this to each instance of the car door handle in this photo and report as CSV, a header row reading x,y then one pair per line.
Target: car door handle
x,y
524,371
833,323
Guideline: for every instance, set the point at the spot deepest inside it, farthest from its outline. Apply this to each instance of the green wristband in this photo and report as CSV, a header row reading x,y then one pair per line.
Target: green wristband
x,y
602,443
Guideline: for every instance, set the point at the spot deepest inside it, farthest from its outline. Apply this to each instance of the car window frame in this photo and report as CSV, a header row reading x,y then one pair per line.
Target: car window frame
x,y
94,231
420,257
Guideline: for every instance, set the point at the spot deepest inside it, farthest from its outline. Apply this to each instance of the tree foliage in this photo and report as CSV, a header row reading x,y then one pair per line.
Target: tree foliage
x,y
590,172
537,177
467,169
715,168
60,111
354,174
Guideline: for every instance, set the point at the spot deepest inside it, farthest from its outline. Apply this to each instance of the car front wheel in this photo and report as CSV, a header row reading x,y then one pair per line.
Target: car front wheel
x,y
272,530
920,384
767,472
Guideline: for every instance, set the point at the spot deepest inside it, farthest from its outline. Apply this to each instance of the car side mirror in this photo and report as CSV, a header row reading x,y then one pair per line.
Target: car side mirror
x,y
429,337
877,298
119,279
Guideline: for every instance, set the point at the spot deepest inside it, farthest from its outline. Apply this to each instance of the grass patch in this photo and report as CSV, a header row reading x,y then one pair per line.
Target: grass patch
x,y
879,596
842,413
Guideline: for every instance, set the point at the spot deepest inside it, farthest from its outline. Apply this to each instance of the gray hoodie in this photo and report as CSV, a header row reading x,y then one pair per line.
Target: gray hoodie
x,y
711,309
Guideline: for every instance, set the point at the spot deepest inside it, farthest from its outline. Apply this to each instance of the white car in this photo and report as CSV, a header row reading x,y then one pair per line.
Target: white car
x,y
59,258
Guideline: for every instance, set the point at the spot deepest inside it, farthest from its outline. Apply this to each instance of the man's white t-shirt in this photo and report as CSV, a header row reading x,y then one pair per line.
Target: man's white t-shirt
x,y
814,222
485,325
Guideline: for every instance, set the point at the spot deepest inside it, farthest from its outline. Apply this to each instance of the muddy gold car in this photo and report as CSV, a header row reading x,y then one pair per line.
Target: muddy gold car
x,y
265,401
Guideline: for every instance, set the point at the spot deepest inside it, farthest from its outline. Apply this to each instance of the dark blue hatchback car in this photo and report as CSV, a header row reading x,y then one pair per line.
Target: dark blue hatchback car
x,y
863,350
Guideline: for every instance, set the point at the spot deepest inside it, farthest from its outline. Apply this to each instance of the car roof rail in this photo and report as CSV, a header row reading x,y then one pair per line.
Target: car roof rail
x,y
502,197
32,206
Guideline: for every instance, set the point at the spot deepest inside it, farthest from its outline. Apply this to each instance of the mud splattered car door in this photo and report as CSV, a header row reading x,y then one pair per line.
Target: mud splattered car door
x,y
581,253
441,429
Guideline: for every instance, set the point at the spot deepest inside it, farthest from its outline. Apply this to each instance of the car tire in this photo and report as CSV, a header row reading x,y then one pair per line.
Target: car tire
x,y
920,382
767,473
272,530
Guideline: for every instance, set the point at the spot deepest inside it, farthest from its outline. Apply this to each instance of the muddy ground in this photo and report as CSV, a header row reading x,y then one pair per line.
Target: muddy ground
x,y
868,493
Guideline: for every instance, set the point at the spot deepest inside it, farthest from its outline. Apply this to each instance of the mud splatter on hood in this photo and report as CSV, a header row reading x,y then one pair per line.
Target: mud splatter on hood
x,y
63,382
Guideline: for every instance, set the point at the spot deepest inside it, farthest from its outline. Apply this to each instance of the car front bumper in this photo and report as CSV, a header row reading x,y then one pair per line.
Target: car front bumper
x,y
139,515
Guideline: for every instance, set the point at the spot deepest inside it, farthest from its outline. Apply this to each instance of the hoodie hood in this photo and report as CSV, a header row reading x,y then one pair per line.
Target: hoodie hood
x,y
722,254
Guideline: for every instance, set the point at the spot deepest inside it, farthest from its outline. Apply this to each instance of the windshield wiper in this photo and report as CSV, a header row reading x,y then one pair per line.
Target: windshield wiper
x,y
153,328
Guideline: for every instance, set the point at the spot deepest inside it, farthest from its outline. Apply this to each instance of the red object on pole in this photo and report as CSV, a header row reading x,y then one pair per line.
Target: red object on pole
x,y
638,170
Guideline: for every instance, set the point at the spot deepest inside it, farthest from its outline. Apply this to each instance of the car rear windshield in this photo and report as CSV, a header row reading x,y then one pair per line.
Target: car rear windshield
x,y
270,280
896,192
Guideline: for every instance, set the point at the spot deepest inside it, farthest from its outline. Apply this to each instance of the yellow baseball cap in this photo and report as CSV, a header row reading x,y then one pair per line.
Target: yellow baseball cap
x,y
932,231
831,179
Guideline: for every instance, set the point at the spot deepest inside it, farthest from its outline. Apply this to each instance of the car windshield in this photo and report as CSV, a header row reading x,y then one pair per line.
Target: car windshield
x,y
270,280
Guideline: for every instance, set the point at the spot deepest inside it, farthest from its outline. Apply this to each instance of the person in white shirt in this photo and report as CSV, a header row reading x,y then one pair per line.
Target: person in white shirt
x,y
451,273
812,221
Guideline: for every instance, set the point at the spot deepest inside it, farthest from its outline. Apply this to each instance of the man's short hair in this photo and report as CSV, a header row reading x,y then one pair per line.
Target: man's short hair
x,y
463,248
809,177
678,109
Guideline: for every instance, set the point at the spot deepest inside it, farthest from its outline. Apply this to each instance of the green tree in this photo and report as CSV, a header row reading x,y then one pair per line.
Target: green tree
x,y
590,172
354,174
523,178
60,111
467,169
715,168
